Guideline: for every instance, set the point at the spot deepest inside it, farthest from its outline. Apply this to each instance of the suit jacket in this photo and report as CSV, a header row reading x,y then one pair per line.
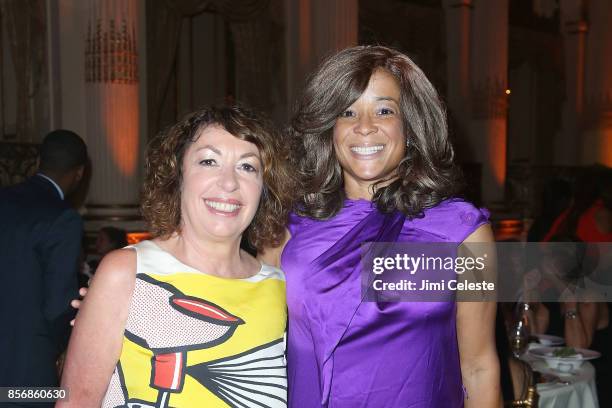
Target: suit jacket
x,y
40,244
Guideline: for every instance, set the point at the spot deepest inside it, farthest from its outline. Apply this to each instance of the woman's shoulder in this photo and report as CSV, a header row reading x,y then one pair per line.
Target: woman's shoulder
x,y
296,222
453,218
124,258
458,209
117,268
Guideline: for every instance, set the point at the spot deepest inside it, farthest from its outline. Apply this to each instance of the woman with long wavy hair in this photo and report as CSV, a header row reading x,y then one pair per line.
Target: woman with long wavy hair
x,y
370,141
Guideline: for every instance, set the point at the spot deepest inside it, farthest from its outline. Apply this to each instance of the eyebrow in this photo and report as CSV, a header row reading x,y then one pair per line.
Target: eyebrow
x,y
386,98
209,147
249,155
217,151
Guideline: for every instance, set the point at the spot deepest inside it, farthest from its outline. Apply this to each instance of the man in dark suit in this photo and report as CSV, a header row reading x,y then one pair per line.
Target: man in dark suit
x,y
40,244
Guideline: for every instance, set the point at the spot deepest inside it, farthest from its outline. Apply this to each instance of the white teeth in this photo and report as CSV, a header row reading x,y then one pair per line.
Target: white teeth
x,y
366,150
224,207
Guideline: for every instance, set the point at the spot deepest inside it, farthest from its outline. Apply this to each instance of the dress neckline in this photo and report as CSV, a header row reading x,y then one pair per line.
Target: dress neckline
x,y
164,252
358,202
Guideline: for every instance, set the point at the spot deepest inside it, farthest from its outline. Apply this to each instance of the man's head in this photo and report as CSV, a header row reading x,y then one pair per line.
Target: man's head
x,y
63,156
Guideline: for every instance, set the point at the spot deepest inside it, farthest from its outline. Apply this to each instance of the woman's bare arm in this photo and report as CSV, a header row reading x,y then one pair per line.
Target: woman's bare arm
x,y
476,338
97,338
580,329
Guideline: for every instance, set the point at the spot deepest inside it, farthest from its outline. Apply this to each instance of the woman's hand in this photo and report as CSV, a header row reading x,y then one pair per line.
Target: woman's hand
x,y
76,303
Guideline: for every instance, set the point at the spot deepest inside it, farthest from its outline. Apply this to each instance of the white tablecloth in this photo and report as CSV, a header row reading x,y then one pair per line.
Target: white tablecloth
x,y
580,393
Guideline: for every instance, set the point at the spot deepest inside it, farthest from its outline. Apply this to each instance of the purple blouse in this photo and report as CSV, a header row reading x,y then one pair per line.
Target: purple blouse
x,y
343,352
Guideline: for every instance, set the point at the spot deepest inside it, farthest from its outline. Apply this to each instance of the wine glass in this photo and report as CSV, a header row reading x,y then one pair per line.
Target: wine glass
x,y
519,336
519,339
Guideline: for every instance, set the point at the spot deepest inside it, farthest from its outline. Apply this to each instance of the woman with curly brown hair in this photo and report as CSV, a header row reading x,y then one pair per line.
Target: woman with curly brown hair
x,y
370,141
189,319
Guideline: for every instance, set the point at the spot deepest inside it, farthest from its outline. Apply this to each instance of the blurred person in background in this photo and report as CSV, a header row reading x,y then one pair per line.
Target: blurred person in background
x,y
589,219
40,244
556,198
109,238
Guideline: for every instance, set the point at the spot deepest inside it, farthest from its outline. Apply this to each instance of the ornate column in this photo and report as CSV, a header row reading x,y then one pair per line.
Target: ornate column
x,y
458,15
113,112
489,72
315,30
574,30
299,53
24,23
335,26
54,67
597,116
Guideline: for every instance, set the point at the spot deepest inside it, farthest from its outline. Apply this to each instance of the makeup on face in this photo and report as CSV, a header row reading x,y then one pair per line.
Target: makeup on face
x,y
222,183
369,139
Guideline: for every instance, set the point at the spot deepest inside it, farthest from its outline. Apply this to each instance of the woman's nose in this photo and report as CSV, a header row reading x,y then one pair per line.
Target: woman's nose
x,y
365,125
227,179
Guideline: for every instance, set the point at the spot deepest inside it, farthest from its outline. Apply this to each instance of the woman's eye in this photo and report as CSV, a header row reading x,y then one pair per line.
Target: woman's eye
x,y
386,111
208,162
247,167
347,114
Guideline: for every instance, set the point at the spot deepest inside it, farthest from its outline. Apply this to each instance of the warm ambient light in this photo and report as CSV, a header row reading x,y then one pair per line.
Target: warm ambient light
x,y
120,112
508,229
136,237
508,92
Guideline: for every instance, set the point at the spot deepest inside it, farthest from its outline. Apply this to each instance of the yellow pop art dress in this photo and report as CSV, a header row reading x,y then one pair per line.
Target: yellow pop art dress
x,y
198,340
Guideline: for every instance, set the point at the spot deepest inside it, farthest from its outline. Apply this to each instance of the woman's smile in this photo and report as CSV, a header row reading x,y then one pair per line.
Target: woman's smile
x,y
226,208
367,151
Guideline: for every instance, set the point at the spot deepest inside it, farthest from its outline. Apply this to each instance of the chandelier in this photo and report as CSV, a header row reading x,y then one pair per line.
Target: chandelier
x,y
110,51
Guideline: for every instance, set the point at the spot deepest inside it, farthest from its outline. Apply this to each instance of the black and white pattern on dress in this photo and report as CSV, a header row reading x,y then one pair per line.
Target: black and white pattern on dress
x,y
116,394
255,378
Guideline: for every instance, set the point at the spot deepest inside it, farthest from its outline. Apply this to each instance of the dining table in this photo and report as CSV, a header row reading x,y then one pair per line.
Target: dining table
x,y
575,389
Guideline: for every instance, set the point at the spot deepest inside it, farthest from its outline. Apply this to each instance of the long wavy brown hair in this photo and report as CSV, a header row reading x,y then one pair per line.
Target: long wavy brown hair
x,y
161,196
426,175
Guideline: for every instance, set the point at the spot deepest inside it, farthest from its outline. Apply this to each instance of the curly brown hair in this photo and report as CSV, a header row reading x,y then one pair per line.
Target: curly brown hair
x,y
426,175
161,196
